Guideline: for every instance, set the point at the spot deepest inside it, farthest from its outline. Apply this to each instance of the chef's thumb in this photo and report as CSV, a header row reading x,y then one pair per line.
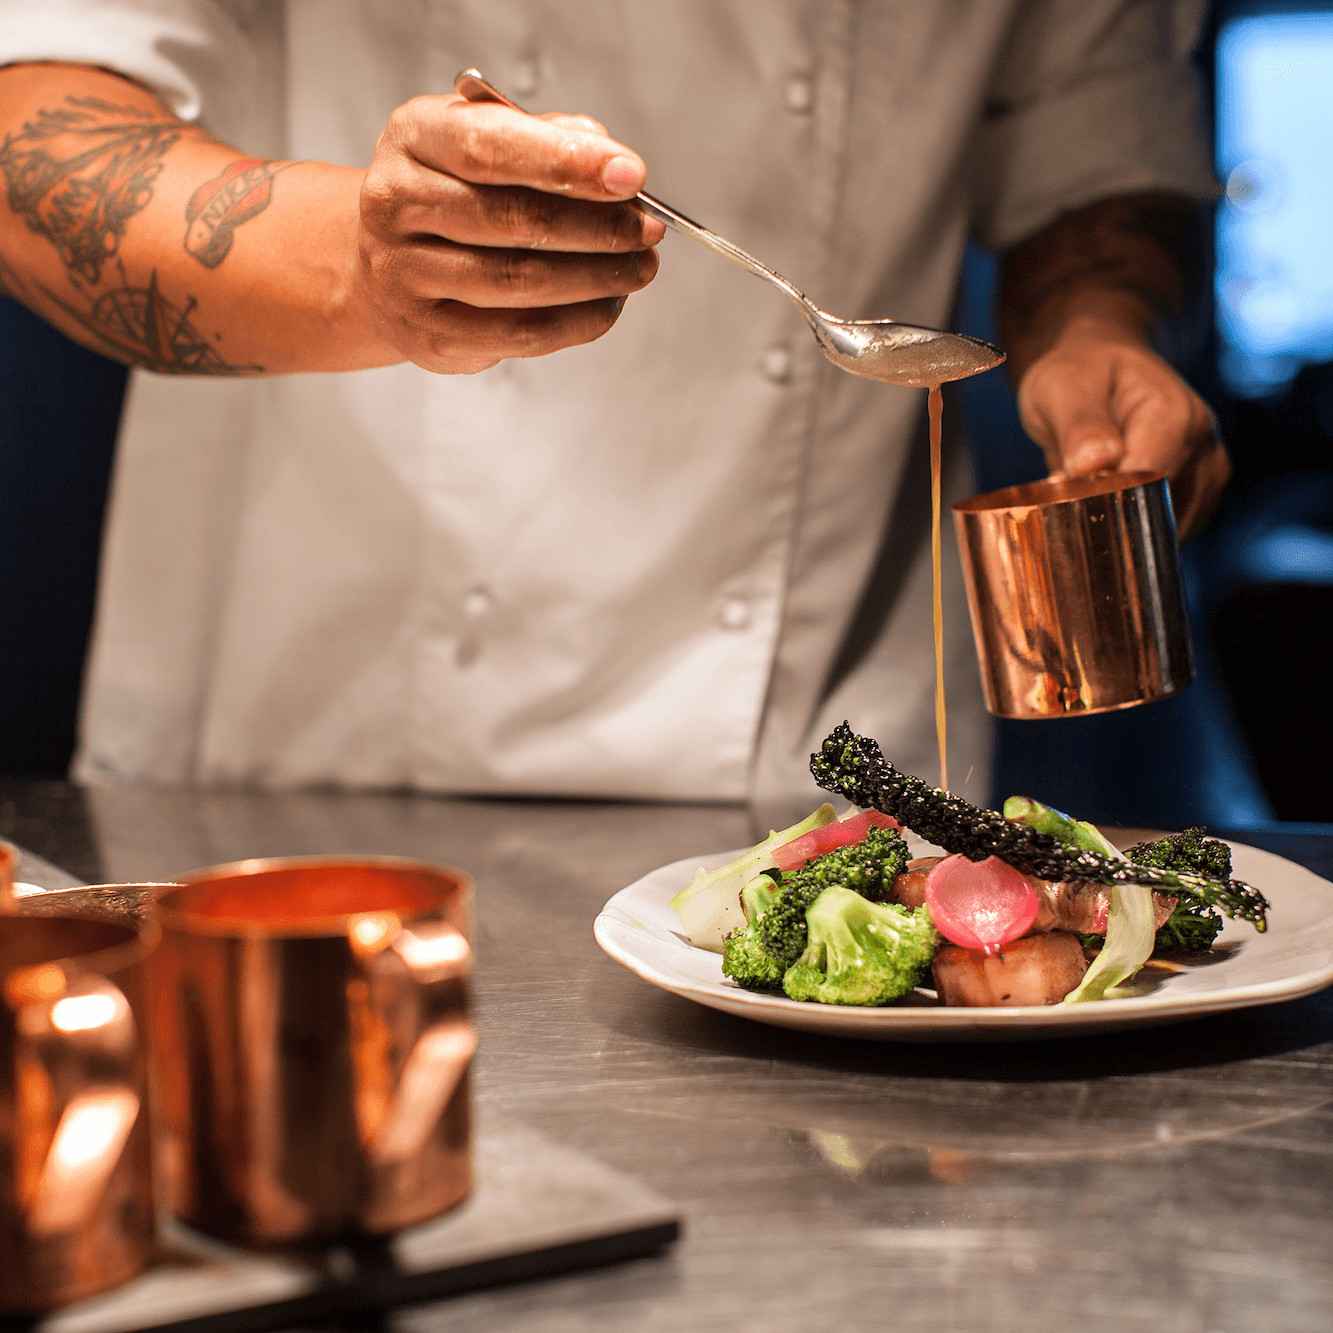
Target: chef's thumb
x,y
1088,442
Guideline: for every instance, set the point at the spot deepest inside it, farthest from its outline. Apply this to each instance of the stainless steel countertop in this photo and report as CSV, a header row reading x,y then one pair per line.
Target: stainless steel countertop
x,y
1178,1178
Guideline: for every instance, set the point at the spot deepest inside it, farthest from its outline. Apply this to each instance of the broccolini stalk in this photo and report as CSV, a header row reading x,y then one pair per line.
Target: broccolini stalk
x,y
744,958
860,952
853,767
1131,922
710,906
867,868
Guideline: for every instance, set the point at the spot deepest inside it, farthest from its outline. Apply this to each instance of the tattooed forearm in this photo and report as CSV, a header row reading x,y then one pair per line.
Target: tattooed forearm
x,y
217,208
1148,246
138,325
77,173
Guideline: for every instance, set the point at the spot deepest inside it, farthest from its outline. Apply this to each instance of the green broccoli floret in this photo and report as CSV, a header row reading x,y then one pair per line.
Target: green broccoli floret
x,y
867,867
860,952
1190,850
1192,927
743,957
1189,929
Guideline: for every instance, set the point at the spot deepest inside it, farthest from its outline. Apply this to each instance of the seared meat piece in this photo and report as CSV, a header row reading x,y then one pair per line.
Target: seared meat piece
x,y
1038,969
1082,907
1079,907
909,888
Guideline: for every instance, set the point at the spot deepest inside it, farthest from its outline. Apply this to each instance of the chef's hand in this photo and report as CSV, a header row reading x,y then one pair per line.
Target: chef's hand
x,y
1100,398
486,233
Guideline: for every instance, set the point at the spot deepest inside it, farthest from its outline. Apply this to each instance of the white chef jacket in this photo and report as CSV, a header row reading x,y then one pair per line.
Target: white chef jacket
x,y
661,565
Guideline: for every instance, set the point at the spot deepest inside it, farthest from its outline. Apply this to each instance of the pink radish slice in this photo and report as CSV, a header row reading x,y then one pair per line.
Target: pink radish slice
x,y
842,833
980,904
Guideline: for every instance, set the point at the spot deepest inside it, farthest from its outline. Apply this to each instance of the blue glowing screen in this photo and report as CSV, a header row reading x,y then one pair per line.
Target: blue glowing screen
x,y
1275,226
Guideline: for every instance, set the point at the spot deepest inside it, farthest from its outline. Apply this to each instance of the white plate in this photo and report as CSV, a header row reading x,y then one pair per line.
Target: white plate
x,y
1293,957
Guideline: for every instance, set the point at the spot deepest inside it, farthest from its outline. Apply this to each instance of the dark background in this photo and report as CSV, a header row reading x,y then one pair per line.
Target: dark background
x,y
1247,744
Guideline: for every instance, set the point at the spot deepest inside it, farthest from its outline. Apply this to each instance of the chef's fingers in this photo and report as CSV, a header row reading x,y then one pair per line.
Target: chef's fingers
x,y
406,200
1098,405
450,337
1174,431
490,144
1065,401
488,277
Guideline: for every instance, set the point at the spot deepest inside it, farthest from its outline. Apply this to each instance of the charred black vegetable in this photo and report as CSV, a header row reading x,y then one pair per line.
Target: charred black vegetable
x,y
854,767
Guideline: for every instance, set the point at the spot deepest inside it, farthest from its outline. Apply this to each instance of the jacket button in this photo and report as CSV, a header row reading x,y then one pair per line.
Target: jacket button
x,y
477,604
527,77
776,364
734,613
799,94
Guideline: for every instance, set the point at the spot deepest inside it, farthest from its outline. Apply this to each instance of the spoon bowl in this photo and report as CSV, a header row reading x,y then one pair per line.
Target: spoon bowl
x,y
877,349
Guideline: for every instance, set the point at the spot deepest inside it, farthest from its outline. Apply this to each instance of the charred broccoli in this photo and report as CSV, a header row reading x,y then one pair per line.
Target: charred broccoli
x,y
1190,850
855,768
866,868
860,952
1190,928
744,959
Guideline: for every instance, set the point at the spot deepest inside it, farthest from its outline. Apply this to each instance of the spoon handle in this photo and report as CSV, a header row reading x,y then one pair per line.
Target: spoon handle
x,y
471,84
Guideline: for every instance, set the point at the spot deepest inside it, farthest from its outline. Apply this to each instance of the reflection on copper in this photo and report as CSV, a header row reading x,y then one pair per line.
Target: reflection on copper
x,y
9,864
312,1046
76,1207
83,1013
1076,595
433,1071
84,1153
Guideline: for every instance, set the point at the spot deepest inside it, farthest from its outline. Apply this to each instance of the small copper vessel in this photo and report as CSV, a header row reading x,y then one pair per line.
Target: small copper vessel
x,y
1076,595
9,864
312,1045
76,1187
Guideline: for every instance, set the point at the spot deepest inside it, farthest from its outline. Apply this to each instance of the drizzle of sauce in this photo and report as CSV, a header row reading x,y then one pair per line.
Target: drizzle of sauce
x,y
935,406
932,360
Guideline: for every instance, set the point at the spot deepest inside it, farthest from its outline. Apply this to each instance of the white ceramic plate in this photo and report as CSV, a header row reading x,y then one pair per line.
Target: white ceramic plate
x,y
1293,957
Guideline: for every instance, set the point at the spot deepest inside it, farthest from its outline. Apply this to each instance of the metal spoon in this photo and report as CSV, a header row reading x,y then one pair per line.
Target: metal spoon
x,y
878,349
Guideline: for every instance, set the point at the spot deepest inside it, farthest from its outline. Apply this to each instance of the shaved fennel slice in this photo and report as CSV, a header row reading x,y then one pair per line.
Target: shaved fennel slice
x,y
1131,930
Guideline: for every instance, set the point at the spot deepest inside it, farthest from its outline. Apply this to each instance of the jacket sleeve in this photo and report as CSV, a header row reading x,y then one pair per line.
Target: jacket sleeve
x,y
218,62
1089,99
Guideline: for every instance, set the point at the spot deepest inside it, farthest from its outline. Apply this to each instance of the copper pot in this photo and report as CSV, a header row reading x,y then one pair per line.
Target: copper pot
x,y
312,1044
76,1205
1076,595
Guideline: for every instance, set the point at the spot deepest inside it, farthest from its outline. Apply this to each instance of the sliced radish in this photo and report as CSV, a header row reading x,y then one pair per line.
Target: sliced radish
x,y
794,854
980,904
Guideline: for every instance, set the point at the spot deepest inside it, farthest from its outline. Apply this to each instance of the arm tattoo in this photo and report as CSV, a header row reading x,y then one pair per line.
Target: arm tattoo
x,y
217,208
1151,246
140,326
77,174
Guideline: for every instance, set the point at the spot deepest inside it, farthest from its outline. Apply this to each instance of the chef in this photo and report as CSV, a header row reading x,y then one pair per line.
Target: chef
x,y
431,479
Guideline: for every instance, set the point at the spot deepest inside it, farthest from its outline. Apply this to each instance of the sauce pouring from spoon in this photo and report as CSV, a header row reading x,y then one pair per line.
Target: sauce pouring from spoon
x,y
877,349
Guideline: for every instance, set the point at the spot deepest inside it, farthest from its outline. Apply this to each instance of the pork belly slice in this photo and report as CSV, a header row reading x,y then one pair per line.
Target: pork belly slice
x,y
1037,969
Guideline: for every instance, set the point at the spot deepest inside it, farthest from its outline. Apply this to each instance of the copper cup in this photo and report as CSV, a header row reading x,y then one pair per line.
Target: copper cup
x,y
311,1047
1076,595
9,864
76,1189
